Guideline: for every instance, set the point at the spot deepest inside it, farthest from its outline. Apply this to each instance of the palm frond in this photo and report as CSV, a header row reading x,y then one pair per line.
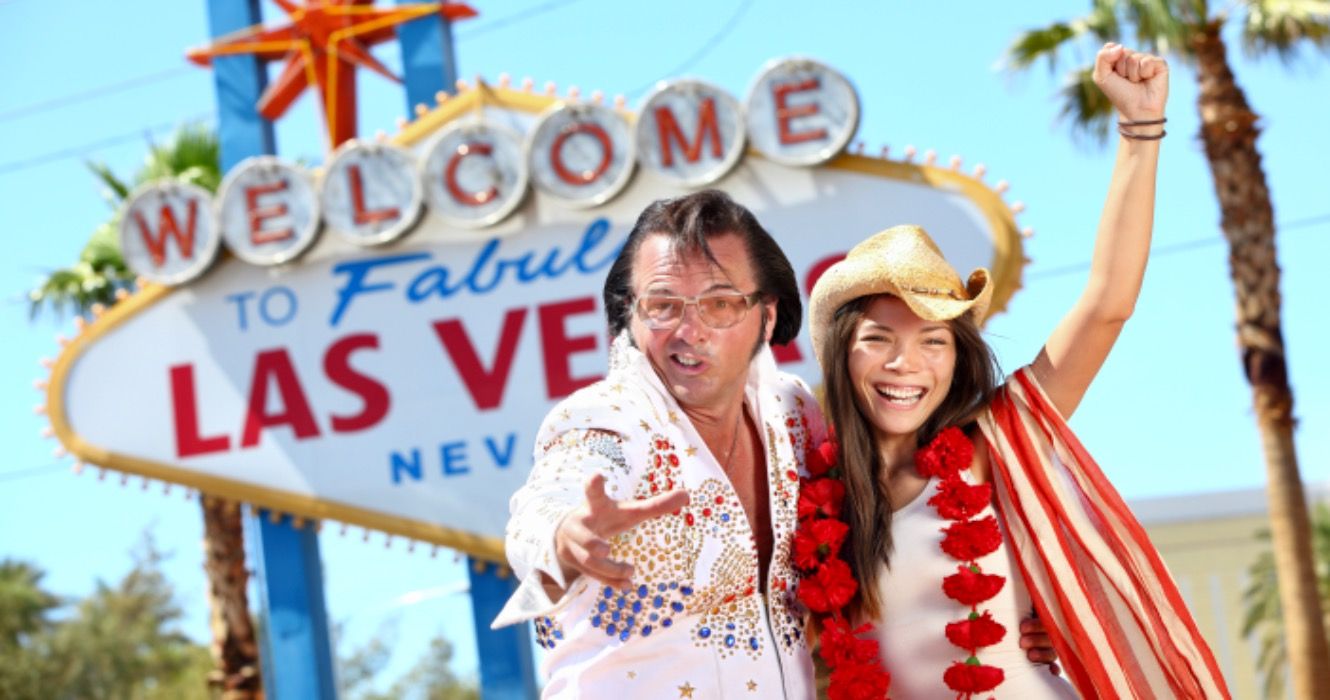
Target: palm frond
x,y
1263,619
1036,44
117,189
1285,27
1085,107
192,154
77,287
1048,42
102,250
1163,26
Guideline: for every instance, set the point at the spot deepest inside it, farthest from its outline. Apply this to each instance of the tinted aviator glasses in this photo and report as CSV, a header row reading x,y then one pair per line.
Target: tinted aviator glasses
x,y
717,310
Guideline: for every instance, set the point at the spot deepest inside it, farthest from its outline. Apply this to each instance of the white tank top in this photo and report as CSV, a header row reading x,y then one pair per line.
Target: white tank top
x,y
912,632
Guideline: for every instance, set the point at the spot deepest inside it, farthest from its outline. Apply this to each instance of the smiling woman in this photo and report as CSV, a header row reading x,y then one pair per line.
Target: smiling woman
x,y
913,399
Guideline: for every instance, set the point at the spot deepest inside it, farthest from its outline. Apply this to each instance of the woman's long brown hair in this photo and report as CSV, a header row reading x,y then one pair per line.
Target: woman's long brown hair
x,y
867,507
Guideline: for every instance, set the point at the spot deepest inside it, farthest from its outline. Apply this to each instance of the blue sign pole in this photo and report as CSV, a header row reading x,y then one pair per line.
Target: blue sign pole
x,y
239,80
296,653
507,669
428,60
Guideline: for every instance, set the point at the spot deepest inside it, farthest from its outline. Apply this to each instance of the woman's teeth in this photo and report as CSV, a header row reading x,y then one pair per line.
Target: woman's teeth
x,y
901,396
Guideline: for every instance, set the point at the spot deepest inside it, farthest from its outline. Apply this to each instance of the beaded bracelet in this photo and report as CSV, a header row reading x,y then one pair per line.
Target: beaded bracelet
x,y
1122,124
1142,137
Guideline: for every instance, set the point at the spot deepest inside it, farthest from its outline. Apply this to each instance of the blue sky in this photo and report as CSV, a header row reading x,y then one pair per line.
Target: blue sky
x,y
1170,413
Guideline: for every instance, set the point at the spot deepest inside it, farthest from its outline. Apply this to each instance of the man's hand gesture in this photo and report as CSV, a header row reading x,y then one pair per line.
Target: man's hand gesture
x,y
582,538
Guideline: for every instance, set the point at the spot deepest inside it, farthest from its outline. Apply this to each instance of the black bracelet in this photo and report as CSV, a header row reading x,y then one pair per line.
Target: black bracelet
x,y
1143,122
1143,137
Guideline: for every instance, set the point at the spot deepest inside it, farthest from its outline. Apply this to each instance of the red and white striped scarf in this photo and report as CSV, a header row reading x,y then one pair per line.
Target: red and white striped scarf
x,y
1117,621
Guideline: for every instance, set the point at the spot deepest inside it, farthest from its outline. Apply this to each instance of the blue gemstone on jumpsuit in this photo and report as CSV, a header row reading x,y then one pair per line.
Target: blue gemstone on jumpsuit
x,y
729,640
677,606
704,633
642,591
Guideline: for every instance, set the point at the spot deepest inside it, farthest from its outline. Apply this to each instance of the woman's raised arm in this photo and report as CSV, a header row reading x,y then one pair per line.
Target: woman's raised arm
x,y
1137,85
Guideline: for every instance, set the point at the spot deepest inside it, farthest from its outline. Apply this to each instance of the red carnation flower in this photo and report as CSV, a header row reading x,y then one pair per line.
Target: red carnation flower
x,y
948,453
821,496
859,681
976,632
814,542
830,534
972,539
841,645
965,677
971,587
820,460
803,549
829,589
957,500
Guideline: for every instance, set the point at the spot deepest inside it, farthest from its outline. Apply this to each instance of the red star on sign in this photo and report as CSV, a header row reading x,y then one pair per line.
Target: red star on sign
x,y
322,45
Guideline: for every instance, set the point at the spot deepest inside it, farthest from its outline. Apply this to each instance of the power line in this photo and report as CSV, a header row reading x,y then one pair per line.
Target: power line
x,y
17,474
1180,247
83,149
170,73
705,49
100,91
519,16
73,98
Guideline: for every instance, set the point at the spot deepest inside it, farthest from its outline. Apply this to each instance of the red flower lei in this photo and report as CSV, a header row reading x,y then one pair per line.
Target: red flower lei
x,y
828,586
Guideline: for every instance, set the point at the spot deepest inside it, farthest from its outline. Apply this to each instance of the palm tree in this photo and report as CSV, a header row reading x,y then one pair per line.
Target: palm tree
x,y
1190,30
1264,612
191,155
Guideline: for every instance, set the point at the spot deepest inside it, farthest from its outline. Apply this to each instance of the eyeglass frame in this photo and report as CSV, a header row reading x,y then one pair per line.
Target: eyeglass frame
x,y
750,300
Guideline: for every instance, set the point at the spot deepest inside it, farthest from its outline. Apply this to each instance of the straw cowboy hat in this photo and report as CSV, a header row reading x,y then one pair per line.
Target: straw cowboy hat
x,y
904,262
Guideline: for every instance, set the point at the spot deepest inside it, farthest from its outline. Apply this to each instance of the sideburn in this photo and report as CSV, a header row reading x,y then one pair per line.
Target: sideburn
x,y
761,332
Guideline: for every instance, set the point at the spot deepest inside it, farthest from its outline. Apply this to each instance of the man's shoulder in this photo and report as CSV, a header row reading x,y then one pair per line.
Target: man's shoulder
x,y
613,404
784,384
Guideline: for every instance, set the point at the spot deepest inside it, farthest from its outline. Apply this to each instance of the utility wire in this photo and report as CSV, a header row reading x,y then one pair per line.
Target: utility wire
x,y
178,71
99,91
17,474
705,49
74,98
83,149
1179,247
514,18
